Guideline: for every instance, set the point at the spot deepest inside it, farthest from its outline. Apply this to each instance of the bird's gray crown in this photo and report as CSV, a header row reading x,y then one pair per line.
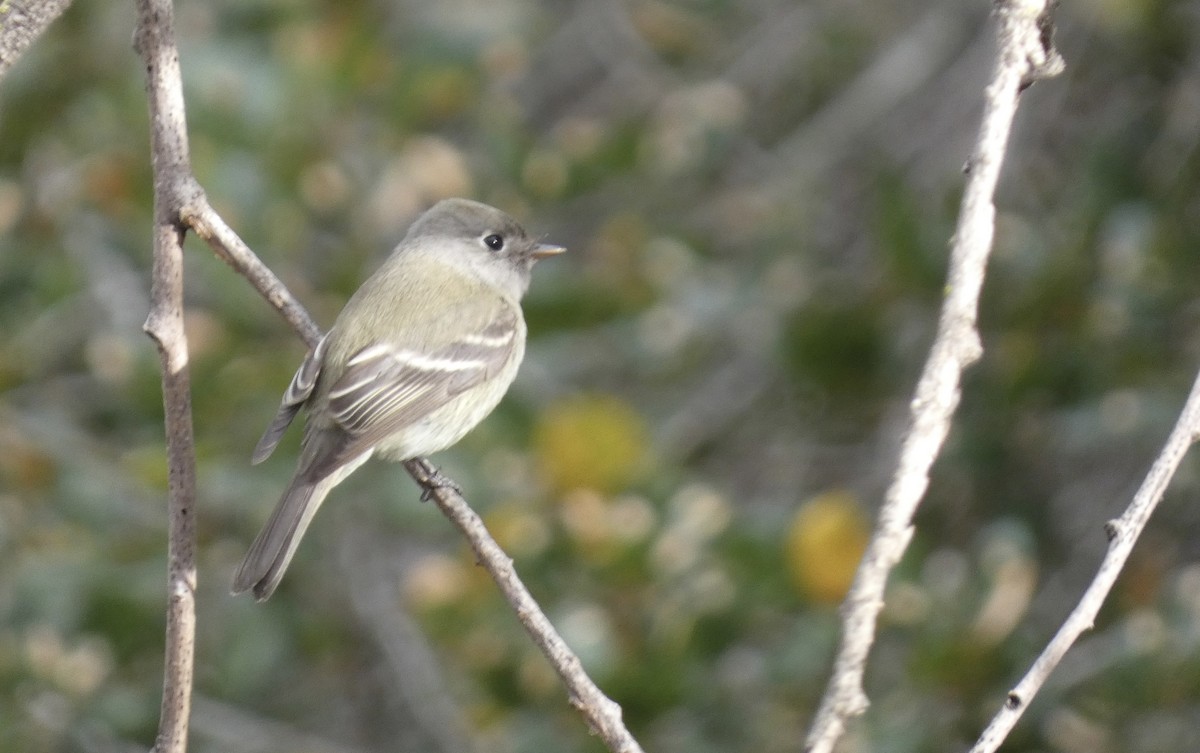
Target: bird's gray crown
x,y
466,220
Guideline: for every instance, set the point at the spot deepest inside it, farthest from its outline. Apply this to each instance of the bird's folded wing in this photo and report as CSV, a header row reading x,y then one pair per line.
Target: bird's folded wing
x,y
386,387
297,393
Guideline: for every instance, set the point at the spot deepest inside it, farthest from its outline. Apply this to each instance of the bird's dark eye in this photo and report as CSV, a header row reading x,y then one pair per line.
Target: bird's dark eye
x,y
494,242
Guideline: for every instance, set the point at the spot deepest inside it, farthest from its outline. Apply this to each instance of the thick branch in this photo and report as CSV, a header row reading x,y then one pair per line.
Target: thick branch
x,y
165,327
1024,53
23,21
155,42
1122,534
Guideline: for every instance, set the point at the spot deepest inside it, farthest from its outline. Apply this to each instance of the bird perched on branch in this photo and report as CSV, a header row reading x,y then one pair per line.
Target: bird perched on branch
x,y
421,353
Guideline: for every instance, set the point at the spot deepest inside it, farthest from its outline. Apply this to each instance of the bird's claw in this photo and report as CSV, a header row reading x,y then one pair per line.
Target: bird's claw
x,y
431,480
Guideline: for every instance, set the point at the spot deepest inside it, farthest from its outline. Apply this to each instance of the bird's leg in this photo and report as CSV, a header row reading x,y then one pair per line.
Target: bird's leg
x,y
429,478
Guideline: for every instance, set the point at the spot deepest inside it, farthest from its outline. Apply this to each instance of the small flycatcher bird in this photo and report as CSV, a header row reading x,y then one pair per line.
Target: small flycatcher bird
x,y
421,353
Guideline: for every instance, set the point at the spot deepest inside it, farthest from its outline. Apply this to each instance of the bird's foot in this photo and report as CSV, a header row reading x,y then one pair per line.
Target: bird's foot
x,y
430,478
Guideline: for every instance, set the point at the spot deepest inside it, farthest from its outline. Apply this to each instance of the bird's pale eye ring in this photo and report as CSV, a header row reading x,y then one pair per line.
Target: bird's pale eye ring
x,y
494,241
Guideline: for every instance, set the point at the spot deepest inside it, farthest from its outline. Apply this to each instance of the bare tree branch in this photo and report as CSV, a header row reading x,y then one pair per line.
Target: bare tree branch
x,y
155,42
200,216
1025,52
21,22
1122,534
602,713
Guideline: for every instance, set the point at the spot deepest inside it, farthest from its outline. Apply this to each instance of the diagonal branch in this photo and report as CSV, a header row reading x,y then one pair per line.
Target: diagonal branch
x,y
200,216
1122,535
603,714
1024,53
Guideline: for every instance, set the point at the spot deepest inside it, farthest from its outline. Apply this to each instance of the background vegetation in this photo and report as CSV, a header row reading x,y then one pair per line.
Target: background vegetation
x,y
757,197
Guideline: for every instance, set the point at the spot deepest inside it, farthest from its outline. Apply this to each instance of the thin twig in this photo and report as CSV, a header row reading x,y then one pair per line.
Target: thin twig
x,y
1024,53
1122,534
155,42
200,216
603,714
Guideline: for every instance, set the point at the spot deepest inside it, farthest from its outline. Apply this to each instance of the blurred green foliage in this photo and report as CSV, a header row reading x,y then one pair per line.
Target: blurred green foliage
x,y
717,376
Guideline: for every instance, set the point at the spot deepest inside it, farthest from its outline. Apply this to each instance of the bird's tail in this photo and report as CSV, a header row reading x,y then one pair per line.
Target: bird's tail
x,y
272,550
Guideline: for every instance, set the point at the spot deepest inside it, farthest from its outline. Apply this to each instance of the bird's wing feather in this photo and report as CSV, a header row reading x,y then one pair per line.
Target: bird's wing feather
x,y
297,393
387,386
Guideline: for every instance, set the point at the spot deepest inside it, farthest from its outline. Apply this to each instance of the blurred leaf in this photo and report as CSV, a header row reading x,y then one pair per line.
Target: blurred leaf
x,y
841,347
590,441
825,541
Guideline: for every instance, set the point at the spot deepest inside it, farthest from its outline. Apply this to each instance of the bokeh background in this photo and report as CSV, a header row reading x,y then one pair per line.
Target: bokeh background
x,y
757,196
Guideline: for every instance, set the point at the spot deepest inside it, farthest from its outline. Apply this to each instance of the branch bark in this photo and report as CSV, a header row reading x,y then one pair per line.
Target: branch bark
x,y
155,42
200,216
1024,53
602,713
1122,534
23,21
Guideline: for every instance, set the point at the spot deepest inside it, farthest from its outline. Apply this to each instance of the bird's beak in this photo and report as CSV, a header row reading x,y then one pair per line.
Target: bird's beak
x,y
542,250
